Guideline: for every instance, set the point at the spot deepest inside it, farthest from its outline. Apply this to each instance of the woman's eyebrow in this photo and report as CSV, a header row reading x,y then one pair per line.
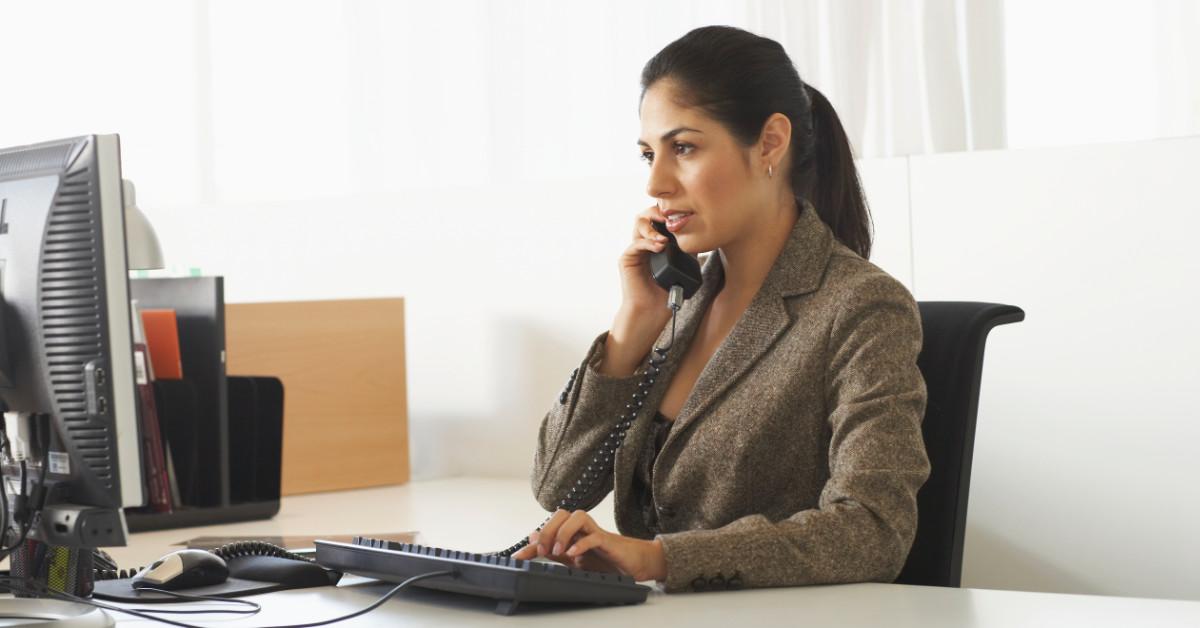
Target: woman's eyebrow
x,y
669,134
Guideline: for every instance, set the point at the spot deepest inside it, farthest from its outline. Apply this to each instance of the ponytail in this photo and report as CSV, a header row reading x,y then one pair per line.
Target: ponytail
x,y
836,190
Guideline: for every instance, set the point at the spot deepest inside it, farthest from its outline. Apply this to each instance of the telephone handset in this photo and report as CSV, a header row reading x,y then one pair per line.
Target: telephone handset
x,y
672,267
679,274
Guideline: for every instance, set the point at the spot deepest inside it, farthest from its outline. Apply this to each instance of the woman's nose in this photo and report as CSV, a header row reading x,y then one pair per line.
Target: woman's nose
x,y
661,182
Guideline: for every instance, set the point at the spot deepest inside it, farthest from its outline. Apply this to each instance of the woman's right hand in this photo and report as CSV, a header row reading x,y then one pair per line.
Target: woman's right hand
x,y
643,312
639,291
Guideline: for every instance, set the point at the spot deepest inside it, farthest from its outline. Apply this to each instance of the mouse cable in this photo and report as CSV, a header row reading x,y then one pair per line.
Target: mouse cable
x,y
137,613
188,597
38,590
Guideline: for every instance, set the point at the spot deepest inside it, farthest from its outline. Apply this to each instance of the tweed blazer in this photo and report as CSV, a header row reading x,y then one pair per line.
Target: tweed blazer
x,y
797,456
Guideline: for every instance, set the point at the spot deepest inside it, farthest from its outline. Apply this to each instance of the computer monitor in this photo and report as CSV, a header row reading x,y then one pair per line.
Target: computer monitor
x,y
66,350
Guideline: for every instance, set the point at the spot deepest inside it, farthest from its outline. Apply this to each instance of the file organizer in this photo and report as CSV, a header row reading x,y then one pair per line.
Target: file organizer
x,y
224,433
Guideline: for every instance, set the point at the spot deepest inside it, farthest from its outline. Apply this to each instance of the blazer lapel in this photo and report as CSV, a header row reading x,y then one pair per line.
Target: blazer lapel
x,y
798,270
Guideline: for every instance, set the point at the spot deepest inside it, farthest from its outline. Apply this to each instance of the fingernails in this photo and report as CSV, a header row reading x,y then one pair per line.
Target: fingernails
x,y
541,550
662,238
573,550
558,549
533,538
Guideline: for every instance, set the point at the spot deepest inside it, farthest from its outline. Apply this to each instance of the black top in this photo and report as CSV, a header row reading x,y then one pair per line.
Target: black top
x,y
644,473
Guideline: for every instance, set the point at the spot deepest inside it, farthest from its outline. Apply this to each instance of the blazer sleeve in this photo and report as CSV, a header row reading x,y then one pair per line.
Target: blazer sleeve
x,y
575,427
866,516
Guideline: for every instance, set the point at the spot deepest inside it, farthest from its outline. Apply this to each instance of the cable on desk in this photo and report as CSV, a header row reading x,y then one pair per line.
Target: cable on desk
x,y
188,597
18,584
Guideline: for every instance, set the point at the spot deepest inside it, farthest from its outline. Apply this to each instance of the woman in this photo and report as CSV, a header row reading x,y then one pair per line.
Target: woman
x,y
782,443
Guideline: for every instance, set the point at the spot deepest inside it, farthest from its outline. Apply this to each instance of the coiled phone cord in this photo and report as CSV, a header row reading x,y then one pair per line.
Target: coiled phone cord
x,y
602,462
107,570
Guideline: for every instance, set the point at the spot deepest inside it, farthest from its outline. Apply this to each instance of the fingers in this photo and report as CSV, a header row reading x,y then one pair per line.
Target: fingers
x,y
543,540
653,213
578,523
645,238
586,544
642,244
642,227
574,539
530,549
557,534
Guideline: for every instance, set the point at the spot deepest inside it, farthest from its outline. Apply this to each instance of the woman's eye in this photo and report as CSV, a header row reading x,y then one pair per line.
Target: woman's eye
x,y
680,149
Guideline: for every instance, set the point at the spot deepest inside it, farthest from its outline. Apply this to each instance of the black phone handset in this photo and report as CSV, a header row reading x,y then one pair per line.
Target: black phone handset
x,y
679,274
673,269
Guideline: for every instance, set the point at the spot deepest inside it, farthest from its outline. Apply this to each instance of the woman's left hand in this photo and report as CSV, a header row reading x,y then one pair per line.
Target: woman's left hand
x,y
574,539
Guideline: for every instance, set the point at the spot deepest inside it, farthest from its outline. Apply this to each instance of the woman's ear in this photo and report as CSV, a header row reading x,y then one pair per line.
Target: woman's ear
x,y
774,140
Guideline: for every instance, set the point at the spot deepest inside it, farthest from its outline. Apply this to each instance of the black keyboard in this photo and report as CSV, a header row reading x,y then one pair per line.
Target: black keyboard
x,y
508,580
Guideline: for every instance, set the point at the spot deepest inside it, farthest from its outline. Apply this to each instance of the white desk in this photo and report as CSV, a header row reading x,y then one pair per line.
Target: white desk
x,y
488,514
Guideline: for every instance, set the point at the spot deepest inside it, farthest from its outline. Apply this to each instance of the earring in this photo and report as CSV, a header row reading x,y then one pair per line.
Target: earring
x,y
770,171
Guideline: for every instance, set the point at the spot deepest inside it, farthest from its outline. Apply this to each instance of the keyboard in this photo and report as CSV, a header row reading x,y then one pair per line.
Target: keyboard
x,y
510,581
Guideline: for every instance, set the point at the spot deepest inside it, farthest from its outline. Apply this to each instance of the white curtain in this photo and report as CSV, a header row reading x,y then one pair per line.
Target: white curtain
x,y
276,100
905,77
471,92
273,100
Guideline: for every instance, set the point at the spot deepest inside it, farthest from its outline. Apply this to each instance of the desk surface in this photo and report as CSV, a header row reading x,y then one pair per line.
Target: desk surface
x,y
488,514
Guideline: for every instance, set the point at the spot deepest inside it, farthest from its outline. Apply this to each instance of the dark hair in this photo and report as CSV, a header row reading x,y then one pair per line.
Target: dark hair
x,y
740,79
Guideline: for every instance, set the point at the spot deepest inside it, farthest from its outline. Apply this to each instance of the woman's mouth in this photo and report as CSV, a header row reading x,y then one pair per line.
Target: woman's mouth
x,y
676,222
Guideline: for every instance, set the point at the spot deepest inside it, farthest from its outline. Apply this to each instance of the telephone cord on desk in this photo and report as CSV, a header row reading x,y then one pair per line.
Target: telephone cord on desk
x,y
226,552
602,462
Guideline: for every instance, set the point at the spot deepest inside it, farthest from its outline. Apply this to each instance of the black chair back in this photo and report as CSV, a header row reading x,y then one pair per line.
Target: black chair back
x,y
951,361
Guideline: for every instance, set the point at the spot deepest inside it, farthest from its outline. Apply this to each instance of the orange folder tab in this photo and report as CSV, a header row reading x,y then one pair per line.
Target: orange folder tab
x,y
162,339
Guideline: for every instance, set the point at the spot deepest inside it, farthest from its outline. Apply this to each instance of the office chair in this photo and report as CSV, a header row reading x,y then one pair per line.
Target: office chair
x,y
951,361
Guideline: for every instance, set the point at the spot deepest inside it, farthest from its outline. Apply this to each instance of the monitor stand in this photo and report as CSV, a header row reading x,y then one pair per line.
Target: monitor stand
x,y
32,613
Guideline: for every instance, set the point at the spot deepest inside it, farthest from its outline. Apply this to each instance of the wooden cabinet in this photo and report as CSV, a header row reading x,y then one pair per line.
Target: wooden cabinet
x,y
345,415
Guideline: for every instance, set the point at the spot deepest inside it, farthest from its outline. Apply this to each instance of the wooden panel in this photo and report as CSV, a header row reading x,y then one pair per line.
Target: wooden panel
x,y
345,421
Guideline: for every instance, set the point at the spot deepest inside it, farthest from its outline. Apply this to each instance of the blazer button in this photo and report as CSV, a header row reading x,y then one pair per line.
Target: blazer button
x,y
735,581
666,512
699,584
717,582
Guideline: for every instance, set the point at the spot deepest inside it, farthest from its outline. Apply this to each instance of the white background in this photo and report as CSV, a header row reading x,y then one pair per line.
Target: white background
x,y
478,159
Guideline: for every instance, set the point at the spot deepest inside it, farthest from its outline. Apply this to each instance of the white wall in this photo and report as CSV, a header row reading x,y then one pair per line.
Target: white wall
x,y
1085,472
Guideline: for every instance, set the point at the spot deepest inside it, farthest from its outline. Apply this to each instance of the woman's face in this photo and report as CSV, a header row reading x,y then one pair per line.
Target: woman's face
x,y
697,167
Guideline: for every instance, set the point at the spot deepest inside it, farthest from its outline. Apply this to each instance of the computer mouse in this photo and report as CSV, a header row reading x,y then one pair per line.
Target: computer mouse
x,y
184,569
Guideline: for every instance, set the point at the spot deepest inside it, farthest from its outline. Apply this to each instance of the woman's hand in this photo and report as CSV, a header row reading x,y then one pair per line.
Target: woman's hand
x,y
574,539
638,289
643,312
